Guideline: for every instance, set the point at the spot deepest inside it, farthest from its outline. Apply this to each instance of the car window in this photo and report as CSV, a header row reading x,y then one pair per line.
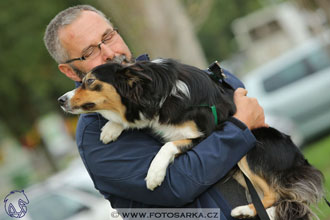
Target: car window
x,y
287,76
53,207
89,190
314,62
320,59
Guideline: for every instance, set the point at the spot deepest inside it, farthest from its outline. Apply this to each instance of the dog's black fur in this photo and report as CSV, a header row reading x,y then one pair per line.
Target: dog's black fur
x,y
155,81
148,87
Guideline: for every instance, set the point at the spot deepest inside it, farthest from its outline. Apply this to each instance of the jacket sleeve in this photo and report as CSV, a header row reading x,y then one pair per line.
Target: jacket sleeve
x,y
119,168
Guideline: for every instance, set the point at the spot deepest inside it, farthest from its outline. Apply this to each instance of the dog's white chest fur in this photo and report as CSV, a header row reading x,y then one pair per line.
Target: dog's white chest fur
x,y
166,131
172,133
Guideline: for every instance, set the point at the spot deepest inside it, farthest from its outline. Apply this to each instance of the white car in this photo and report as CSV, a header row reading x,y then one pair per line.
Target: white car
x,y
295,88
69,195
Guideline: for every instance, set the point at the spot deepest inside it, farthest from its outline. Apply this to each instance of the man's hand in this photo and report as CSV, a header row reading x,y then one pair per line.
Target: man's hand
x,y
248,110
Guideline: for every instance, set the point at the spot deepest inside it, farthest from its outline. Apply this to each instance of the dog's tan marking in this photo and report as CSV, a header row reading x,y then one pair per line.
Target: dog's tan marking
x,y
193,127
238,176
190,124
182,146
182,143
106,98
269,194
170,132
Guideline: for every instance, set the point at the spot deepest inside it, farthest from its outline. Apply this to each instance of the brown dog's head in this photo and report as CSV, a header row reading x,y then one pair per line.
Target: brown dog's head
x,y
104,89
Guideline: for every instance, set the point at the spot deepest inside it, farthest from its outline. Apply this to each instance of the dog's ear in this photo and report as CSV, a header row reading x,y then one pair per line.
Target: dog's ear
x,y
136,75
133,82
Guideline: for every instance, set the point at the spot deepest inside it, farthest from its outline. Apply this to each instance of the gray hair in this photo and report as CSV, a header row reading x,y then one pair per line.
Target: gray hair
x,y
65,17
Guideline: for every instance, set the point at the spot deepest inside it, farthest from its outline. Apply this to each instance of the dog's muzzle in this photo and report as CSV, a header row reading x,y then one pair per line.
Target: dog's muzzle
x,y
64,101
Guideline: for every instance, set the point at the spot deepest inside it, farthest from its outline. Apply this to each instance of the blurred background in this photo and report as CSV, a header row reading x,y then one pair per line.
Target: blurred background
x,y
280,49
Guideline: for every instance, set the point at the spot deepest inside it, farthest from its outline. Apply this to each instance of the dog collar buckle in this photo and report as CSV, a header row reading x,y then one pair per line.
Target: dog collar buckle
x,y
217,73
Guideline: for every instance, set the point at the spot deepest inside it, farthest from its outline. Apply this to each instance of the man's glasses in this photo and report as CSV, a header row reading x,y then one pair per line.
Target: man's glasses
x,y
95,50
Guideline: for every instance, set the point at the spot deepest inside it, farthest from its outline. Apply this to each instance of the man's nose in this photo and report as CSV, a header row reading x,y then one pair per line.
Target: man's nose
x,y
106,52
62,100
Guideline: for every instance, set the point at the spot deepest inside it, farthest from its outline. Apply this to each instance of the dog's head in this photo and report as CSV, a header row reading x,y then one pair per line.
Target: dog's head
x,y
104,89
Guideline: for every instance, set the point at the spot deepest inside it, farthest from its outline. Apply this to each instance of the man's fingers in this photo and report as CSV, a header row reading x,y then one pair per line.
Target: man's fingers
x,y
241,92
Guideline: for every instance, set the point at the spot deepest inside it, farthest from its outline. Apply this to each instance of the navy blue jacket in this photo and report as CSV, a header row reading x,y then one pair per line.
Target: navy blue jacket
x,y
118,169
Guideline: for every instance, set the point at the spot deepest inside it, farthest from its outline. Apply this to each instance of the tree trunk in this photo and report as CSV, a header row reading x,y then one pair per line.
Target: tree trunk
x,y
325,4
160,28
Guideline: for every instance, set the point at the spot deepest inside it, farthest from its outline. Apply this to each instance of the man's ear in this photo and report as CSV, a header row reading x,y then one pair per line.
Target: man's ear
x,y
67,70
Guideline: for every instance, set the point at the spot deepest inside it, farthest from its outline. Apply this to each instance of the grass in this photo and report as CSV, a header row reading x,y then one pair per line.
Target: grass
x,y
318,154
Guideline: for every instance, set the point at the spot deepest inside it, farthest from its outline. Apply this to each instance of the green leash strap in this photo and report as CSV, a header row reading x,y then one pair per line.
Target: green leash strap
x,y
214,112
216,74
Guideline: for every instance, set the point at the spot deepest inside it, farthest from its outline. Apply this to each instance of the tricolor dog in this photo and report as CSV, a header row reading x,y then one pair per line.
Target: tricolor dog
x,y
183,105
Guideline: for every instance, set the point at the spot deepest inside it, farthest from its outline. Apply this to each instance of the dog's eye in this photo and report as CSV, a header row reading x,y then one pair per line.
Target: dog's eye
x,y
90,81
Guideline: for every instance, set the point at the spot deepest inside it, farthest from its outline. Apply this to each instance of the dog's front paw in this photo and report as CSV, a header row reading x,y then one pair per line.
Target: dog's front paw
x,y
242,212
110,132
156,174
159,164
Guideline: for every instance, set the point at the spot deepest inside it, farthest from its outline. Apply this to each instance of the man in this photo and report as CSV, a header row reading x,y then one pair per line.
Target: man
x,y
80,38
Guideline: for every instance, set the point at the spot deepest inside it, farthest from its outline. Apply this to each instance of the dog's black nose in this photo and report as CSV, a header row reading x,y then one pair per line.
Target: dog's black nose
x,y
62,100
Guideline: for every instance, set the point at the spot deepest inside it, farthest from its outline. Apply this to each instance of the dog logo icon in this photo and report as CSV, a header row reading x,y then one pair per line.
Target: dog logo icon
x,y
15,204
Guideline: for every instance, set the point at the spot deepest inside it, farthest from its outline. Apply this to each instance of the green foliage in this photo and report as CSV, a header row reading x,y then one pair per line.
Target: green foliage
x,y
216,36
30,82
318,155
